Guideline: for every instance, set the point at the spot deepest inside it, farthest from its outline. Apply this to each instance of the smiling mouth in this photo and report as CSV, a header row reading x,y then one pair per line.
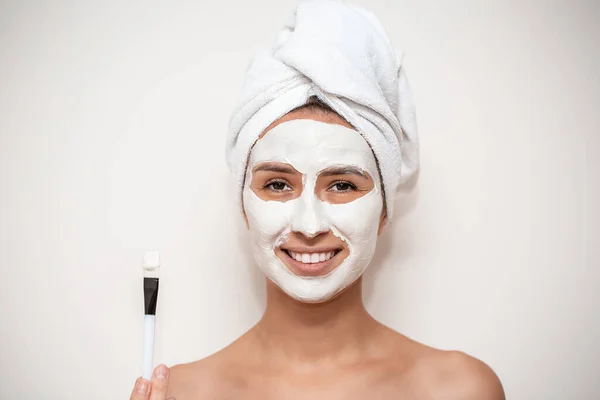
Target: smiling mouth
x,y
310,263
312,258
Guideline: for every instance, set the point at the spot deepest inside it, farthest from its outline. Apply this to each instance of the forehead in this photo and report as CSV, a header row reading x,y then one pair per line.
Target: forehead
x,y
311,146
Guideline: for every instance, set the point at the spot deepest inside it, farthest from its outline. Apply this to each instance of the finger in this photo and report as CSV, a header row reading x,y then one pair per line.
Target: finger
x,y
160,382
140,390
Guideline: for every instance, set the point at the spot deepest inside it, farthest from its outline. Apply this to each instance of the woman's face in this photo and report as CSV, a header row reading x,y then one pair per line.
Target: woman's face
x,y
313,202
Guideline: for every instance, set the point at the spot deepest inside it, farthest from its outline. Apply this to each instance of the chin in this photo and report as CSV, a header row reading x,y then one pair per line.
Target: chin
x,y
318,283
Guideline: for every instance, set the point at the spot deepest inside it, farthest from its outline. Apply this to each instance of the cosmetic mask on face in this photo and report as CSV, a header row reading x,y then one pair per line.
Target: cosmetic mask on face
x,y
311,147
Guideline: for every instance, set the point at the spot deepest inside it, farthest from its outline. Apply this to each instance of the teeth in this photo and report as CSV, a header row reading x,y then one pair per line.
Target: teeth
x,y
311,258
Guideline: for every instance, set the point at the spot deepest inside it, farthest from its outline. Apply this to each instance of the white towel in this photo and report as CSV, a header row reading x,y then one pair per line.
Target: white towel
x,y
342,54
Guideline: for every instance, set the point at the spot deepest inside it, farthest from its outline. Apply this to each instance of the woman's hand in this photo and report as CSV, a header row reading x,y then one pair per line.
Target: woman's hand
x,y
155,390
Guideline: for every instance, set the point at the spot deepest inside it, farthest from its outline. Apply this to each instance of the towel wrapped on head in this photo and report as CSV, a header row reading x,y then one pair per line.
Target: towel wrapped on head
x,y
341,54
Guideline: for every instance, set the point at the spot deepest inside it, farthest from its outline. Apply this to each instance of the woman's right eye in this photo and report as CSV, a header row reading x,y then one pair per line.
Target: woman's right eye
x,y
278,186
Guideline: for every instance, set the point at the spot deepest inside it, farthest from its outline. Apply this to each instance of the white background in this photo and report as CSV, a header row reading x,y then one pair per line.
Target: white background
x,y
112,129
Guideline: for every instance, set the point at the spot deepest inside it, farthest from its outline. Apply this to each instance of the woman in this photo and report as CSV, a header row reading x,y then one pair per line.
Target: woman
x,y
316,191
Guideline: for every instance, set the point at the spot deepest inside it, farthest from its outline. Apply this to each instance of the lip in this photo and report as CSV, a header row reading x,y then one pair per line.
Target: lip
x,y
311,249
313,269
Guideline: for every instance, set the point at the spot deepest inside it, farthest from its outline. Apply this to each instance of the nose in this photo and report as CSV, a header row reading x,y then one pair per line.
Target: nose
x,y
309,220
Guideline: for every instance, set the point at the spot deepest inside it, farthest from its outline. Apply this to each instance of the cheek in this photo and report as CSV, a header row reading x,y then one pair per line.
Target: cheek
x,y
358,220
266,218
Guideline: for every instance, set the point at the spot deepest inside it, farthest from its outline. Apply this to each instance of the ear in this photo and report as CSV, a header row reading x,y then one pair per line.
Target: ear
x,y
382,222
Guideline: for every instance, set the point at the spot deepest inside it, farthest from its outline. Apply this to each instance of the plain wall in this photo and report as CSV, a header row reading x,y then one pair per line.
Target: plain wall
x,y
112,129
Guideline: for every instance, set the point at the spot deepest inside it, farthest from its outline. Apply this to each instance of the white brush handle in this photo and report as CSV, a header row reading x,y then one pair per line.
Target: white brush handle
x,y
149,322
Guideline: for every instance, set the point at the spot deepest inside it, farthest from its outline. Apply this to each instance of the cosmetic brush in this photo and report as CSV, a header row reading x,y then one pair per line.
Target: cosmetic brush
x,y
151,265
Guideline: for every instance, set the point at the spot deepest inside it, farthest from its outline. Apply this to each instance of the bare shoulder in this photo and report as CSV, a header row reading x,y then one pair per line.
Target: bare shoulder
x,y
426,372
455,375
216,376
204,378
462,376
191,379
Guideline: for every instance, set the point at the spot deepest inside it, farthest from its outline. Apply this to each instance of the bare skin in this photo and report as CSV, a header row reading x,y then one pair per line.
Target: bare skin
x,y
332,350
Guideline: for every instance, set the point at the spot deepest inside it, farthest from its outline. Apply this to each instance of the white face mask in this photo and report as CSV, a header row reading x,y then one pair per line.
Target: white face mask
x,y
311,147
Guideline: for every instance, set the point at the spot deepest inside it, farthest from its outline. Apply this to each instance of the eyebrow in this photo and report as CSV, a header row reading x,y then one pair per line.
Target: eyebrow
x,y
284,169
344,171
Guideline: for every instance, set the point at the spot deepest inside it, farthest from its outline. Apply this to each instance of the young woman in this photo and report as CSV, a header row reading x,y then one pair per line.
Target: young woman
x,y
316,192
332,349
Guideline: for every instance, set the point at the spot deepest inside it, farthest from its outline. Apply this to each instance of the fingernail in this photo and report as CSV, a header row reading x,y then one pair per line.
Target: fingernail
x,y
142,386
161,372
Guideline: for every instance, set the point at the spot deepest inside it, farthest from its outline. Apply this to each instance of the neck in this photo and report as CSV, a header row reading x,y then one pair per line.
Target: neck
x,y
336,329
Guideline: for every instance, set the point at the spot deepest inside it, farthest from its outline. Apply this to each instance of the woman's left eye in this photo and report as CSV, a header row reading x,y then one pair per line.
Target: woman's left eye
x,y
342,187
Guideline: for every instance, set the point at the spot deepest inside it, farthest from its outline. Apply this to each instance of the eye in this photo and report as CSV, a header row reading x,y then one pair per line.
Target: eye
x,y
342,186
277,186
